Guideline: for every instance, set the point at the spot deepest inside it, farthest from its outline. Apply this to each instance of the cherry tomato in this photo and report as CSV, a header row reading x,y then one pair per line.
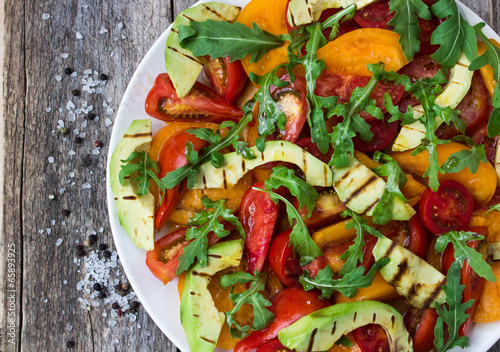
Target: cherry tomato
x,y
292,100
201,104
173,156
419,237
288,306
376,15
473,110
350,53
383,134
273,346
449,208
281,260
228,79
371,338
257,214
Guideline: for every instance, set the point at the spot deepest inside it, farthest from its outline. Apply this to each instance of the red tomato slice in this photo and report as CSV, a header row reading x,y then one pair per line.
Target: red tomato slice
x,y
423,340
292,100
473,109
450,208
273,346
173,156
288,306
383,134
201,104
377,15
426,30
419,237
422,66
257,214
228,79
280,258
371,338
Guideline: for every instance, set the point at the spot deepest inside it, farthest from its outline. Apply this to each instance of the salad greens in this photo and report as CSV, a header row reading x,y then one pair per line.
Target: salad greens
x,y
147,169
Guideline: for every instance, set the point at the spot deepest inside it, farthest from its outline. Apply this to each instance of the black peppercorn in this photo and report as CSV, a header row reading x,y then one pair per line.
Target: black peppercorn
x,y
93,238
75,92
80,253
115,305
78,140
68,70
135,304
103,77
97,286
118,288
66,212
106,254
79,247
102,247
91,116
122,293
102,295
70,344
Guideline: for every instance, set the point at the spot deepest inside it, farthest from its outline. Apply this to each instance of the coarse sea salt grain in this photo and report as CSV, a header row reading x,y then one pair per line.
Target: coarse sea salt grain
x,y
103,30
45,16
71,174
59,241
45,300
79,35
86,185
48,109
49,231
96,151
108,122
64,55
58,78
69,327
51,159
71,152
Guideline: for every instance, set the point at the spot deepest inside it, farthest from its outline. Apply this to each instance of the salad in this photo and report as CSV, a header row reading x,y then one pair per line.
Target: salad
x,y
331,184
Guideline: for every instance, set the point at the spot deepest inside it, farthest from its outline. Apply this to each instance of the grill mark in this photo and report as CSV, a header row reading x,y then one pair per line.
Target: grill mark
x,y
304,161
185,16
262,157
309,9
192,293
224,178
186,56
311,340
402,267
414,129
355,316
282,151
457,83
116,198
216,256
334,328
127,177
214,12
204,180
243,165
197,273
138,135
370,207
413,292
208,340
461,64
372,179
374,317
393,321
390,249
432,297
293,19
129,198
195,315
325,172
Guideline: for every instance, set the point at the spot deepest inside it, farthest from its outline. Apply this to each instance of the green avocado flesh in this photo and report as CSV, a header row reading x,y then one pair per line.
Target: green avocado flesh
x,y
136,213
200,319
318,331
182,66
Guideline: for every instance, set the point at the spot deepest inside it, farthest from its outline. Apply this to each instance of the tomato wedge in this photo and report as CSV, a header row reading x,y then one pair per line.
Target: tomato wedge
x,y
449,208
376,15
258,214
201,104
419,237
281,261
371,338
383,134
228,79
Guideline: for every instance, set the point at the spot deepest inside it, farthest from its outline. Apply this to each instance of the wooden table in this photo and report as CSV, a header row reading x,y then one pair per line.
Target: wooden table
x,y
53,184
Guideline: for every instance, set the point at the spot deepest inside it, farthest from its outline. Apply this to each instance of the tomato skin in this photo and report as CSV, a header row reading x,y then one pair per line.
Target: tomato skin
x,y
422,66
419,237
288,306
371,338
308,145
292,100
376,15
473,110
383,134
258,215
281,260
173,156
228,79
201,103
273,346
423,340
449,208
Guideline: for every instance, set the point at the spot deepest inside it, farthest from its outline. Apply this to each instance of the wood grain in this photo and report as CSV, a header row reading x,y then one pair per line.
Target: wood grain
x,y
43,296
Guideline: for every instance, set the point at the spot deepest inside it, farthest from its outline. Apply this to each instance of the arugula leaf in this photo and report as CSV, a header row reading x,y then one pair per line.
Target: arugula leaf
x,y
494,207
190,171
453,314
341,137
242,148
221,39
347,286
454,35
252,296
270,114
300,239
463,252
147,169
355,252
344,341
396,179
465,158
203,223
407,25
303,191
490,57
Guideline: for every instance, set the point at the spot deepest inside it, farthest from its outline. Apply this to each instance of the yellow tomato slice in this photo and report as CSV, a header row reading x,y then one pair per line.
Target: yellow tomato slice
x,y
351,52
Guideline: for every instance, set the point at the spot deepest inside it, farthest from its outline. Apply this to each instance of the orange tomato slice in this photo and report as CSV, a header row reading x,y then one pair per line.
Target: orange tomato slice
x,y
351,52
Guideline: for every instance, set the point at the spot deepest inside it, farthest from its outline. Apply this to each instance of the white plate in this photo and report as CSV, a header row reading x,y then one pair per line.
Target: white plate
x,y
162,302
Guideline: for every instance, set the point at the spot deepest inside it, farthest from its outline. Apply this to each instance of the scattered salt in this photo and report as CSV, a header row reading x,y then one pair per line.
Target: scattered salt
x,y
59,241
120,25
70,105
103,30
58,78
62,190
71,174
45,16
64,55
96,151
86,185
51,159
45,300
71,152
65,282
74,74
48,109
49,231
108,122
79,35
69,327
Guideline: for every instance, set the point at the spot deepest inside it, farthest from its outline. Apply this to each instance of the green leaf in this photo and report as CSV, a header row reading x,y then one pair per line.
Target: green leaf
x,y
303,191
252,296
494,207
396,179
207,134
490,57
300,239
454,35
190,171
202,224
465,158
453,314
463,252
146,168
354,254
344,341
406,23
494,122
347,286
221,39
242,148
